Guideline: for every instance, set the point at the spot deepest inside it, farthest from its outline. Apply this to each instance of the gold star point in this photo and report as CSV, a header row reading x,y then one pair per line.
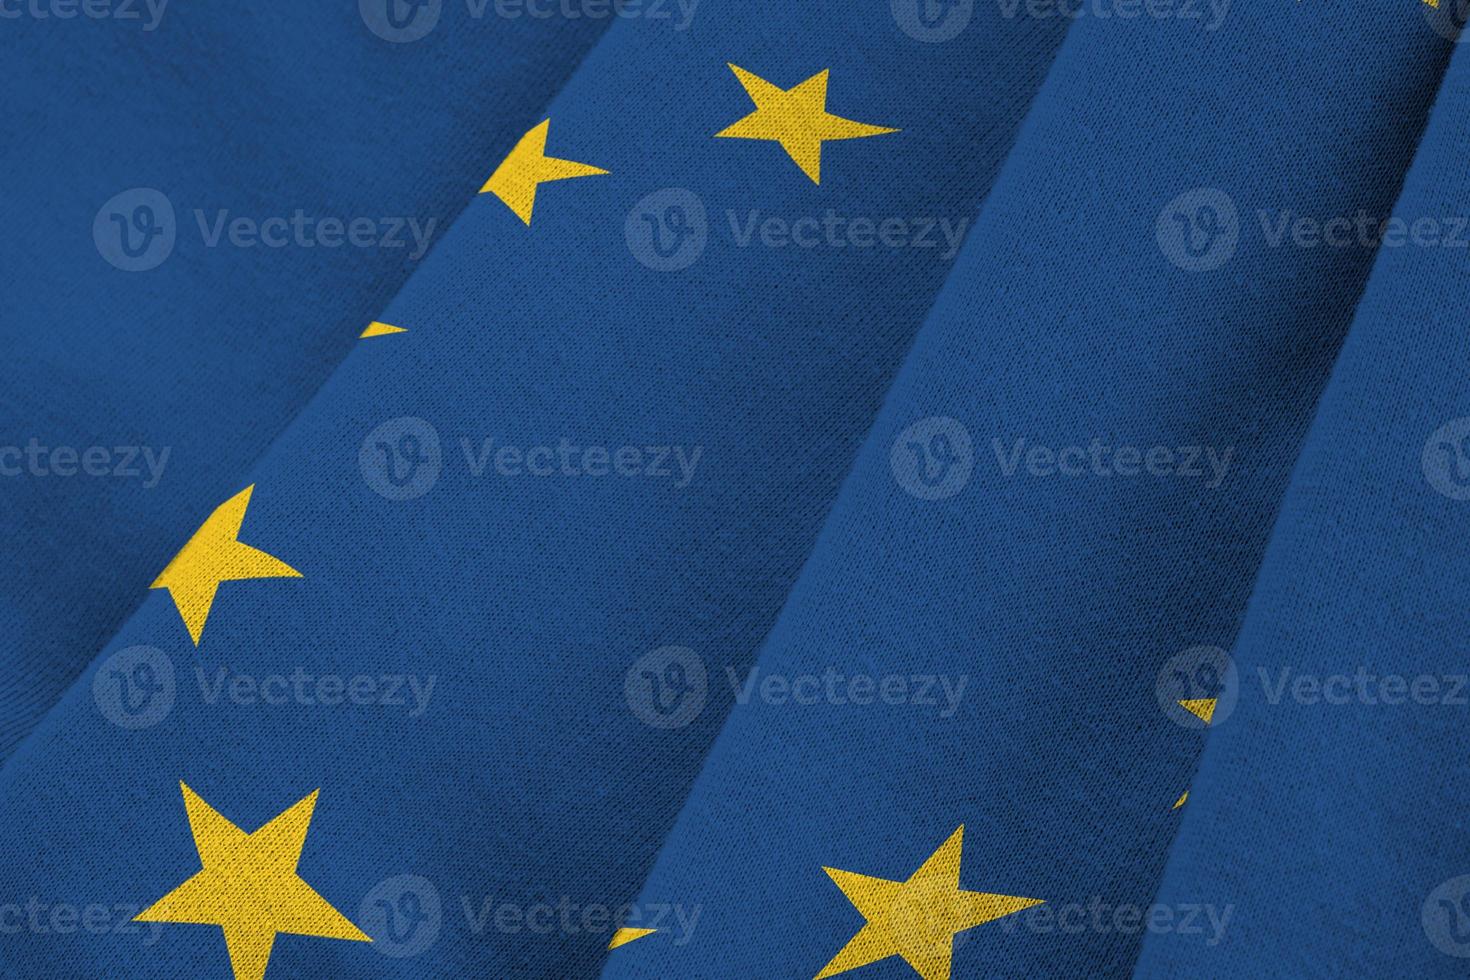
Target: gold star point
x,y
626,935
526,168
214,555
916,919
797,118
248,886
379,329
1201,708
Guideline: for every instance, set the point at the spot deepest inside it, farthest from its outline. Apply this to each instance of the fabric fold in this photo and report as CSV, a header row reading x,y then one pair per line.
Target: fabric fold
x,y
620,446
1002,650
277,176
1327,814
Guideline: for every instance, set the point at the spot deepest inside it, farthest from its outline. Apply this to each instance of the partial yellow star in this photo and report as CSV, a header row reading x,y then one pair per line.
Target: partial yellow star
x,y
1201,708
213,555
526,168
377,329
918,918
249,886
626,935
1180,802
797,118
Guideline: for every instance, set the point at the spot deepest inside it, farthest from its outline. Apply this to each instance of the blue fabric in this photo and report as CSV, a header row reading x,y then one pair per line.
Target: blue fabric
x,y
640,584
249,113
1060,598
1328,810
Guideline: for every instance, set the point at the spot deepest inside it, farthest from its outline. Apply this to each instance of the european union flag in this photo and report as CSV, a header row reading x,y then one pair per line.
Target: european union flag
x,y
699,490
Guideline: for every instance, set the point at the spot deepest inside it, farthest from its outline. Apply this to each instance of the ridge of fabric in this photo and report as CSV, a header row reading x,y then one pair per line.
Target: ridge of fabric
x,y
834,405
744,804
208,382
1309,751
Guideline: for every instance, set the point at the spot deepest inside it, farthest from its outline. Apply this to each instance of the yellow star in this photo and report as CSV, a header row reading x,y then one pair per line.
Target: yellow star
x,y
797,118
916,919
249,886
213,555
625,935
1201,708
527,167
377,329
